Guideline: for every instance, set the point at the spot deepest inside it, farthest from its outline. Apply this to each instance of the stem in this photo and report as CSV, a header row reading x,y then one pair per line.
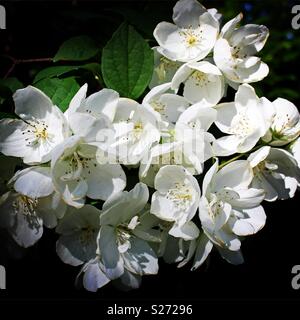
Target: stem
x,y
34,60
15,62
240,156
231,160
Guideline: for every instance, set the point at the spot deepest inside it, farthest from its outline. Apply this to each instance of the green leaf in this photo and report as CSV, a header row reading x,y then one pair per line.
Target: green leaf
x,y
8,87
127,62
58,71
77,49
60,91
13,84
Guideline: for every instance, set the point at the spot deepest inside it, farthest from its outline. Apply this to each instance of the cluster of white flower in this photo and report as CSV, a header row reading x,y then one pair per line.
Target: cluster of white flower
x,y
70,158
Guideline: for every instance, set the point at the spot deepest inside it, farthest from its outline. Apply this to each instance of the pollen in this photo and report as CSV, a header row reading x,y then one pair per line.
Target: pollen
x,y
181,195
191,40
138,126
158,106
41,133
200,78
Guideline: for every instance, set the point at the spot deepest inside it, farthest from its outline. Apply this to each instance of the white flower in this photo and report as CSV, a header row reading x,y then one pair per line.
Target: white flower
x,y
276,171
77,172
136,130
245,120
192,36
91,118
174,250
167,105
176,200
119,247
189,144
23,213
228,209
285,125
164,69
99,104
78,231
42,127
139,226
235,50
94,277
203,82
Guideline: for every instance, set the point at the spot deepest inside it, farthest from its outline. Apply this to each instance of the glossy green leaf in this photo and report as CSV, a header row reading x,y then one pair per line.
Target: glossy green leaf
x,y
58,71
77,49
60,91
127,62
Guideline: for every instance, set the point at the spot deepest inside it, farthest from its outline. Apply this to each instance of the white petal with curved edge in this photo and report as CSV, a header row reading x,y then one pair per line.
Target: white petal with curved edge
x,y
168,37
233,257
12,141
236,175
248,198
204,247
230,26
163,208
253,221
245,97
205,116
31,102
73,250
128,281
123,206
77,219
34,182
94,278
27,230
186,13
104,180
110,256
226,146
156,91
258,156
174,106
74,193
50,209
209,177
225,113
103,102
168,176
77,101
140,258
187,231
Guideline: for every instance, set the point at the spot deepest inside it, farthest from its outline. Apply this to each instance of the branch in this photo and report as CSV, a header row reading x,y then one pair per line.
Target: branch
x,y
15,62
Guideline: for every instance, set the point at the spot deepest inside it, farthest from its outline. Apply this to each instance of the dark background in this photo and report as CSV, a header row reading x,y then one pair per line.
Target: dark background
x,y
36,30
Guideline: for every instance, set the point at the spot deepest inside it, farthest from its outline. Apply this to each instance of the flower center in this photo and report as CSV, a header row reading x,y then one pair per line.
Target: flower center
x,y
78,166
41,132
36,132
237,53
25,205
264,167
158,106
181,195
87,236
123,236
200,78
242,125
191,37
191,40
137,131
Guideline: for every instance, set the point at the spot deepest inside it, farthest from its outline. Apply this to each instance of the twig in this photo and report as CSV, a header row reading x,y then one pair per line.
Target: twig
x,y
15,62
